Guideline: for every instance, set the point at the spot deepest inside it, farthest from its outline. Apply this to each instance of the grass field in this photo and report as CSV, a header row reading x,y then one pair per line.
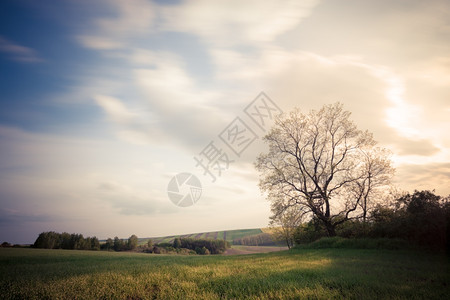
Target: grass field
x,y
301,273
241,249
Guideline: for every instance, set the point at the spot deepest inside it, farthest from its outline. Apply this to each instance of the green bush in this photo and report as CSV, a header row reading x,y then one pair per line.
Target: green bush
x,y
309,232
353,229
213,246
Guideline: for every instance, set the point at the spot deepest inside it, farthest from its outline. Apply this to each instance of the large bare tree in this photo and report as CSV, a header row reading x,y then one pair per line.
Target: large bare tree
x,y
321,162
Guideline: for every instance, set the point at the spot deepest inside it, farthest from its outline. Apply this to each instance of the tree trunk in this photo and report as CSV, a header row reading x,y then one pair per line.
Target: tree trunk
x,y
331,230
287,243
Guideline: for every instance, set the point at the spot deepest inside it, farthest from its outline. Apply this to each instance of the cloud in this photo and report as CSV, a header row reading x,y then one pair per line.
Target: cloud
x,y
18,53
422,147
168,105
222,23
228,23
131,19
172,94
131,201
100,43
115,109
425,176
45,174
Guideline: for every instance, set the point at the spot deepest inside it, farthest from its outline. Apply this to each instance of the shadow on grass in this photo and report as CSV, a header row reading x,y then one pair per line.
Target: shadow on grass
x,y
346,274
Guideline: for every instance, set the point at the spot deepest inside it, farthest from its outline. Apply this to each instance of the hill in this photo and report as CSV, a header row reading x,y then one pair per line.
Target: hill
x,y
232,236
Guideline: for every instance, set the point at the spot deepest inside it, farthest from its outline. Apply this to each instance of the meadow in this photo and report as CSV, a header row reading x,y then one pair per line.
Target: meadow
x,y
337,273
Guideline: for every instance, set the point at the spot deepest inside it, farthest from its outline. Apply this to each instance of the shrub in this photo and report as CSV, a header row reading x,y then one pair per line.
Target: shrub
x,y
213,246
309,232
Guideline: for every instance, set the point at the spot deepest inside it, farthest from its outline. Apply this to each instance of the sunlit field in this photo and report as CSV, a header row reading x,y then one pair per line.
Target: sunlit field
x,y
301,273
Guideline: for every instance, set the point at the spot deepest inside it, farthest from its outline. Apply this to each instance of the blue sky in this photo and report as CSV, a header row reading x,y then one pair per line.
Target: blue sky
x,y
103,102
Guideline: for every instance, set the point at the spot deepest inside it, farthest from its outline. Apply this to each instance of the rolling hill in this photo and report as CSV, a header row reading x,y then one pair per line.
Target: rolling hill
x,y
229,235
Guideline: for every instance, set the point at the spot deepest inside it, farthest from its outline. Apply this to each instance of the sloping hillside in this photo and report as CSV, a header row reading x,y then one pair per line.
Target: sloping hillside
x,y
228,235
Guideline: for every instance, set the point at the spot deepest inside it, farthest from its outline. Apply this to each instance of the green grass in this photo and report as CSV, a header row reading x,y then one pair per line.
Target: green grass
x,y
240,233
360,243
337,273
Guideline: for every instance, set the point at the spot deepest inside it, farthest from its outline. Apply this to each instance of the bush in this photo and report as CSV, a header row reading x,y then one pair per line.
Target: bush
x,y
309,232
159,250
202,251
213,246
353,229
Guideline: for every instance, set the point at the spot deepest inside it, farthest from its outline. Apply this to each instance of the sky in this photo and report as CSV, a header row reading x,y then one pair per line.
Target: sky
x,y
102,103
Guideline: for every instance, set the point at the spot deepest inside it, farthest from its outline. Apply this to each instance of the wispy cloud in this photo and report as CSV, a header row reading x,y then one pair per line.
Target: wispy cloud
x,y
133,19
115,109
17,52
227,23
223,23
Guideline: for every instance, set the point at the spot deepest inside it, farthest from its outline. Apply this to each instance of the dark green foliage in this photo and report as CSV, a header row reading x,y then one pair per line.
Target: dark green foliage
x,y
54,240
309,232
95,244
109,245
118,244
177,243
421,218
353,229
262,239
213,246
132,242
202,251
47,240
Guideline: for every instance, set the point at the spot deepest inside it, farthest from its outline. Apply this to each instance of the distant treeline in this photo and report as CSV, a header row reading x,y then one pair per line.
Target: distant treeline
x,y
75,241
262,239
117,244
55,240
